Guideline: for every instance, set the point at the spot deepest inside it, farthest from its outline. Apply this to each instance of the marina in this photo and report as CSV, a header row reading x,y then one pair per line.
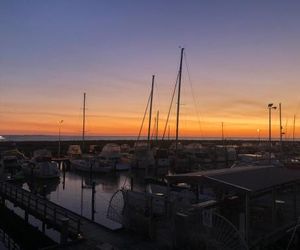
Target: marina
x,y
149,125
86,210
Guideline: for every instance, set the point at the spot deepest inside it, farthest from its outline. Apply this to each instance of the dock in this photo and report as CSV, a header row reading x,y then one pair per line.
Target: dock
x,y
76,232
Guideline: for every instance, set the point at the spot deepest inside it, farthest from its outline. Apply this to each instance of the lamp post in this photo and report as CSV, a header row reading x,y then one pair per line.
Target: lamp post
x,y
59,127
270,107
258,134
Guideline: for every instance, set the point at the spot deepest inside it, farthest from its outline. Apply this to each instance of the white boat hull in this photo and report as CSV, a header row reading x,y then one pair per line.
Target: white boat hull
x,y
91,166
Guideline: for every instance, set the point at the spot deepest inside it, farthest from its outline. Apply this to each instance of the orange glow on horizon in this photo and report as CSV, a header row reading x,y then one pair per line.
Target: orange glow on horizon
x,y
129,126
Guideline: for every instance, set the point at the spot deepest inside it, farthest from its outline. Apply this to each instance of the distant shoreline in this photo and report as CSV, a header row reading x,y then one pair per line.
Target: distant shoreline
x,y
28,145
44,138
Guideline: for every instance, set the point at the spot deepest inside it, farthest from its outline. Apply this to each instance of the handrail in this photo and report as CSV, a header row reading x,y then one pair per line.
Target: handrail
x,y
8,241
45,208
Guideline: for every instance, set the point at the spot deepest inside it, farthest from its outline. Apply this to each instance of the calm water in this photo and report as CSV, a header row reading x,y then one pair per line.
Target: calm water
x,y
68,191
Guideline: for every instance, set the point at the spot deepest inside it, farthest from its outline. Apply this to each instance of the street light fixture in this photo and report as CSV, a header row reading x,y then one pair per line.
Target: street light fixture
x,y
59,128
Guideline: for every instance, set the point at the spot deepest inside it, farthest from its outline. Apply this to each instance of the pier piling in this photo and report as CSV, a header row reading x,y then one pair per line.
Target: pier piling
x,y
93,200
64,231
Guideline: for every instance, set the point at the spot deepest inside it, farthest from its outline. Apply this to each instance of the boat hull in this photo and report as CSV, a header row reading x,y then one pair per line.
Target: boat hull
x,y
41,170
91,166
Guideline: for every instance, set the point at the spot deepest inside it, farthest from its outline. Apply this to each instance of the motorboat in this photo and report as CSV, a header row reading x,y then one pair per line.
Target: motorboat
x,y
94,164
12,159
11,162
87,162
111,152
41,165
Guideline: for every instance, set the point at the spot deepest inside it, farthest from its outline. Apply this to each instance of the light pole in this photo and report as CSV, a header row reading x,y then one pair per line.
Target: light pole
x,y
59,127
258,135
270,107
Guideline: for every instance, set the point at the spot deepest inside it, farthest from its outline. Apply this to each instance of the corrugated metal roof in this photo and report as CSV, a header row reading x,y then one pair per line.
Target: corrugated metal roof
x,y
248,179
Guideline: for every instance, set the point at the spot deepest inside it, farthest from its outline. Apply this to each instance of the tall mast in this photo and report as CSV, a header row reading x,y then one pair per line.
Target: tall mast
x,y
294,126
157,119
280,128
150,111
178,99
83,121
222,133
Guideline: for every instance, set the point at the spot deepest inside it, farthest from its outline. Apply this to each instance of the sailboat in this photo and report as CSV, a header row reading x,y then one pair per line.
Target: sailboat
x,y
143,156
129,206
179,160
85,162
77,160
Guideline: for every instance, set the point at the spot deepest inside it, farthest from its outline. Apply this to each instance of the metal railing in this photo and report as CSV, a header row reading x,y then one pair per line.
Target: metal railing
x,y
8,242
45,210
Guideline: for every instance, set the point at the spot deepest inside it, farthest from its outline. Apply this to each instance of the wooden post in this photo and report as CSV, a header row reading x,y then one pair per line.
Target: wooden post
x,y
81,197
44,217
2,200
198,192
64,175
64,231
91,168
54,214
78,226
150,225
44,190
93,200
167,199
147,170
28,201
43,226
36,204
247,216
295,201
273,207
22,194
131,183
26,216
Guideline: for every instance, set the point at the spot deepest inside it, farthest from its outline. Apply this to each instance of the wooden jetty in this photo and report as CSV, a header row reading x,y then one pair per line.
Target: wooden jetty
x,y
51,214
76,232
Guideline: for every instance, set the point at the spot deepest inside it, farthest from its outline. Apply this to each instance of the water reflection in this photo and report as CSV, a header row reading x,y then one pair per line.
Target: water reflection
x,y
43,187
74,190
107,183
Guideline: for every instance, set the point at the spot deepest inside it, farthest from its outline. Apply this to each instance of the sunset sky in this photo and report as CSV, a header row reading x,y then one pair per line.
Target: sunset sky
x,y
241,55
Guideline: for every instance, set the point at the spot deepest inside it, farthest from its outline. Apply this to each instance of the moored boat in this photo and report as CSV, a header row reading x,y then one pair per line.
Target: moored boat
x,y
111,153
143,156
41,166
